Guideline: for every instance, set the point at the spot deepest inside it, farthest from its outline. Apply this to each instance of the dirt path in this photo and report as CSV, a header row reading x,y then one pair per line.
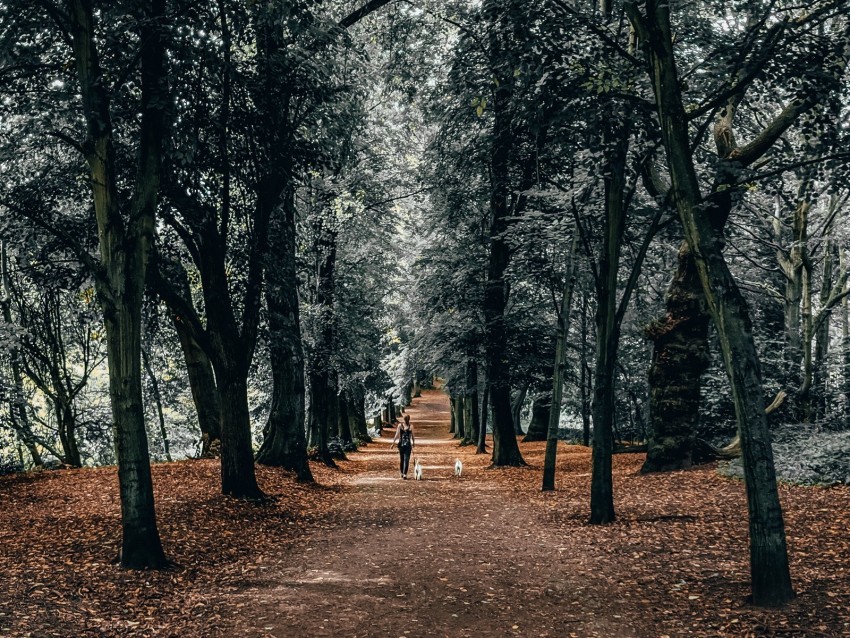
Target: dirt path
x,y
444,556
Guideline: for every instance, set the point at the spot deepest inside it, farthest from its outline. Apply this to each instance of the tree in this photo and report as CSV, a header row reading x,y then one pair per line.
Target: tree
x,y
703,219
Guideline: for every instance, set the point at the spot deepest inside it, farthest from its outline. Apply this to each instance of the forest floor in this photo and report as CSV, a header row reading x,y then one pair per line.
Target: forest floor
x,y
363,553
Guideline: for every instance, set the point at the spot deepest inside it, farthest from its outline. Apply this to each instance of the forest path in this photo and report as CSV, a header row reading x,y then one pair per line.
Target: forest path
x,y
444,556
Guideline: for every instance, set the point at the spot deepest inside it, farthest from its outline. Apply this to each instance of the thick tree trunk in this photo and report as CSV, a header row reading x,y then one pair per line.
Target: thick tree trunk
x,y
452,419
541,407
237,454
140,547
124,252
703,224
284,440
357,415
319,417
679,358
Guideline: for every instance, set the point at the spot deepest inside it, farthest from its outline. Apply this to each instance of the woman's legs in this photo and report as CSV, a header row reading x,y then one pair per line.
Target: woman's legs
x,y
403,460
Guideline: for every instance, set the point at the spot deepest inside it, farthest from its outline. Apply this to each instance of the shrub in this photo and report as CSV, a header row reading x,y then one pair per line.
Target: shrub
x,y
805,456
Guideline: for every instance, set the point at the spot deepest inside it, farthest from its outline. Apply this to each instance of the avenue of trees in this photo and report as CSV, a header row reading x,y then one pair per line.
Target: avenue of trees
x,y
243,229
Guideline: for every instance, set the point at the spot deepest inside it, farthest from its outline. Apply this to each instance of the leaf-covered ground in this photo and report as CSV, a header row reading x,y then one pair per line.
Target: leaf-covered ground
x,y
366,554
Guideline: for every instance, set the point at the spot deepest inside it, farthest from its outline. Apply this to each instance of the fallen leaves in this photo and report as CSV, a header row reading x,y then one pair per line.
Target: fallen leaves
x,y
484,551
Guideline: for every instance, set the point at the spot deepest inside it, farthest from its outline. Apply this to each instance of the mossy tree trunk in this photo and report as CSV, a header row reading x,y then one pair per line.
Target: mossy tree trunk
x,y
541,405
679,358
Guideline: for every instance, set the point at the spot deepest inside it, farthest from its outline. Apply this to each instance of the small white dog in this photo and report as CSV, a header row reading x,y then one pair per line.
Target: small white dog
x,y
417,470
458,467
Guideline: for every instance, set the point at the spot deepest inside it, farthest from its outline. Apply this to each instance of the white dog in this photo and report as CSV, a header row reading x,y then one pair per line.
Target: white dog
x,y
458,467
417,470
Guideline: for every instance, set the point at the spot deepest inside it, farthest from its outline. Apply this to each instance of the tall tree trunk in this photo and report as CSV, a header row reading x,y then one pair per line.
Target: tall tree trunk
x,y
471,417
505,447
845,336
198,369
679,358
703,222
357,413
819,372
485,410
616,142
792,268
319,416
585,388
560,362
124,253
166,446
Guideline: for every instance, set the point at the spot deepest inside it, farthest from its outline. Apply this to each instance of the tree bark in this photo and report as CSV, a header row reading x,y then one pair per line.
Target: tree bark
x,y
561,334
237,454
505,447
679,358
460,425
541,408
471,417
485,410
343,421
284,439
616,142
703,221
517,401
163,433
124,253
198,369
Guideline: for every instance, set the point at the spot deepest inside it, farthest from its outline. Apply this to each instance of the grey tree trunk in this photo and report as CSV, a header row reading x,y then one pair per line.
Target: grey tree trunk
x,y
558,370
163,433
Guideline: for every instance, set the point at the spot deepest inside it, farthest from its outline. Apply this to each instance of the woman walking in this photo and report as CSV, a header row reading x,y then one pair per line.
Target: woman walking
x,y
404,438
